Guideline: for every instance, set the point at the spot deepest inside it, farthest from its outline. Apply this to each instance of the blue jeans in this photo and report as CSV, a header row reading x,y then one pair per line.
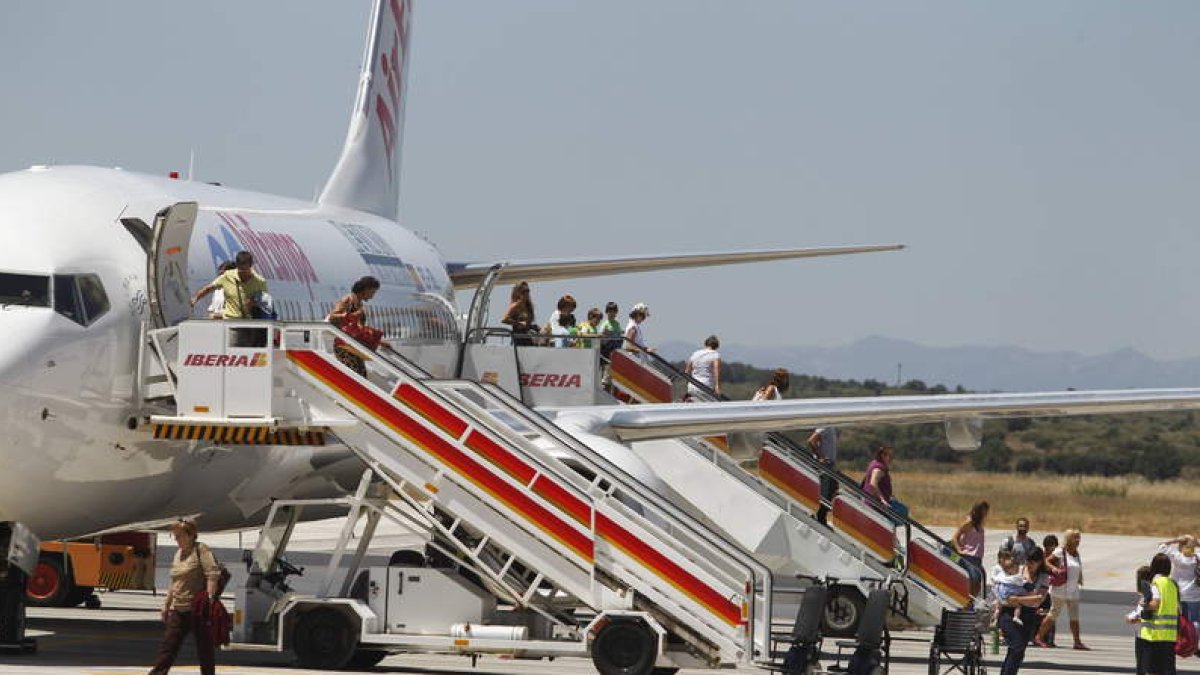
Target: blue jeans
x,y
1192,610
973,564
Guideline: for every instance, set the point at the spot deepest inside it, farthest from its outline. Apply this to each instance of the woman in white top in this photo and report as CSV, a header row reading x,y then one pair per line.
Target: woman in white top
x,y
216,308
566,305
635,334
1182,552
704,366
1066,595
774,388
563,331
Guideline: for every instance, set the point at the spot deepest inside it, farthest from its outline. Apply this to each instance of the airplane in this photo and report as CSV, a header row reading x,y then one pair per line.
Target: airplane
x,y
105,254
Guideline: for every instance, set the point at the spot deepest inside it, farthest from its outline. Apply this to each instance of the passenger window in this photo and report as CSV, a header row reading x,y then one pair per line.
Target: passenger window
x,y
24,289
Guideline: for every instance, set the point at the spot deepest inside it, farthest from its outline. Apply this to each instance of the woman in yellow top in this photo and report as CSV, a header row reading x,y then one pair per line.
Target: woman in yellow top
x,y
193,569
241,285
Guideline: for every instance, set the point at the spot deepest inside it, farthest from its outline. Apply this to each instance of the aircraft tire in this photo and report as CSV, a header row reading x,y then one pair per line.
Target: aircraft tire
x,y
50,585
624,648
323,639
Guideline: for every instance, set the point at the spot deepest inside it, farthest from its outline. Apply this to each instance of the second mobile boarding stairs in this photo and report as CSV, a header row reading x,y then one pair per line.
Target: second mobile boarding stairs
x,y
543,534
772,508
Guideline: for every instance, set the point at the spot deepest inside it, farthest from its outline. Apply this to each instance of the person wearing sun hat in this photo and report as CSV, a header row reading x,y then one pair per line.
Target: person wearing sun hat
x,y
635,334
1182,552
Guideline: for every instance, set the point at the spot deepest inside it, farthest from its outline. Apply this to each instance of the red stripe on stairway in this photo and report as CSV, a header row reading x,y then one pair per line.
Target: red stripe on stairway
x,y
863,525
496,454
798,484
671,572
385,411
938,571
430,410
632,375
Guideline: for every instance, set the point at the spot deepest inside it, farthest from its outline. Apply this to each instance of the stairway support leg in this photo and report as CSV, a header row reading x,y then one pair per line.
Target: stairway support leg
x,y
363,542
356,509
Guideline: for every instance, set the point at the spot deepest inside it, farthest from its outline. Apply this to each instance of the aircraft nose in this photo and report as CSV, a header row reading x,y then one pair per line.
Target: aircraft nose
x,y
27,348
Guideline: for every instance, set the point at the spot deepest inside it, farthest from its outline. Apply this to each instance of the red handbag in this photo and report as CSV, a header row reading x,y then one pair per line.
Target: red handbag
x,y
1059,578
364,334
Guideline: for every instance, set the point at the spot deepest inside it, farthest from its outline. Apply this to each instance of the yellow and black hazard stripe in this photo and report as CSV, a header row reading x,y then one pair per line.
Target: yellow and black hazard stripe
x,y
118,581
238,435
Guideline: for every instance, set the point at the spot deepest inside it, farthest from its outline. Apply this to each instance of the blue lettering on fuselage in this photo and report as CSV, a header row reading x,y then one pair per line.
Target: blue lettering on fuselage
x,y
226,252
379,256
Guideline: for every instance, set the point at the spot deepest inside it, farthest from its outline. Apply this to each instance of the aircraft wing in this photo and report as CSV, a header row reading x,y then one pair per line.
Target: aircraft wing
x,y
673,420
471,274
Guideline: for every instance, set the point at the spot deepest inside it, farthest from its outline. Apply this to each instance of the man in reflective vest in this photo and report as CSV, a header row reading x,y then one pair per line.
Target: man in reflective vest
x,y
1160,621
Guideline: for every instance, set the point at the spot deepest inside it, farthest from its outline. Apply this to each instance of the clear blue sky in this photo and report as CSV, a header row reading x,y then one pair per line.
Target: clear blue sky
x,y
1039,158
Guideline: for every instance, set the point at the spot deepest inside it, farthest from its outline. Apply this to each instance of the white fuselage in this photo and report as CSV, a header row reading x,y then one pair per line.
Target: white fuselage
x,y
74,457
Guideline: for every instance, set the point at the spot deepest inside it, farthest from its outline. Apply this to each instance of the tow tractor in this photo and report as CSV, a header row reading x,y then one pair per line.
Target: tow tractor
x,y
69,572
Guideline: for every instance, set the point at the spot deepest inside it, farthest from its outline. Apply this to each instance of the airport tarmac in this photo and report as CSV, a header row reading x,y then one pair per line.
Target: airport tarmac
x,y
122,636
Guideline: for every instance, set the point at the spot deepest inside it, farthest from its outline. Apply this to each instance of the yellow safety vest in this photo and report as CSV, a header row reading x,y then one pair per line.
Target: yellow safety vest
x,y
1164,626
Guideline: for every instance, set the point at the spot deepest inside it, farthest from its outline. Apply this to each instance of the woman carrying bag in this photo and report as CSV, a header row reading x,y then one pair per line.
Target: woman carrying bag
x,y
350,315
194,571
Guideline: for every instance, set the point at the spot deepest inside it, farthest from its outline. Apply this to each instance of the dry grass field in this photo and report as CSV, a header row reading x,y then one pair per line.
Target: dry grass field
x,y
1120,505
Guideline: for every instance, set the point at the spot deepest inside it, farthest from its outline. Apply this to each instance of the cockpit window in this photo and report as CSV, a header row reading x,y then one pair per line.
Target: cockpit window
x,y
66,300
80,297
91,291
24,289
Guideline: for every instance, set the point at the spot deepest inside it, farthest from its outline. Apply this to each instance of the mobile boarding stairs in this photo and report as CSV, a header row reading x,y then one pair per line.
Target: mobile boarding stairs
x,y
779,503
800,517
536,558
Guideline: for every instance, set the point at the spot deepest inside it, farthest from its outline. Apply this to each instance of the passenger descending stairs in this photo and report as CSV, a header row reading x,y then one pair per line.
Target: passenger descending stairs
x,y
778,498
508,490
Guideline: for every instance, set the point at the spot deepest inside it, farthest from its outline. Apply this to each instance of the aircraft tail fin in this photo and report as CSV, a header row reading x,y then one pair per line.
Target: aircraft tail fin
x,y
367,176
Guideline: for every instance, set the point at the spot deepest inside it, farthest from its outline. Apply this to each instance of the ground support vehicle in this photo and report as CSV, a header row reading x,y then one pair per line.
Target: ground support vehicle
x,y
69,572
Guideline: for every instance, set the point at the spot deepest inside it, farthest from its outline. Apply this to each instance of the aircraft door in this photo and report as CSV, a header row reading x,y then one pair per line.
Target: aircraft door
x,y
166,268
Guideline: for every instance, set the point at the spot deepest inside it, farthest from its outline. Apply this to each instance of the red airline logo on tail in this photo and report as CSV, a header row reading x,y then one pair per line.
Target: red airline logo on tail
x,y
391,65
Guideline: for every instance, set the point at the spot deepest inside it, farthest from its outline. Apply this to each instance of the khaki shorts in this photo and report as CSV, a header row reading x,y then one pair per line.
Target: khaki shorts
x,y
1056,605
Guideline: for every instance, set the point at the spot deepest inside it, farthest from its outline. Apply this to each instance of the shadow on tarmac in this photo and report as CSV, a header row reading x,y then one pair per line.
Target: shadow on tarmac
x,y
83,644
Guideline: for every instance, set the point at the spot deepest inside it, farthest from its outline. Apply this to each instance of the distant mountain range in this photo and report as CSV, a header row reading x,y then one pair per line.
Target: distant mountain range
x,y
975,368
